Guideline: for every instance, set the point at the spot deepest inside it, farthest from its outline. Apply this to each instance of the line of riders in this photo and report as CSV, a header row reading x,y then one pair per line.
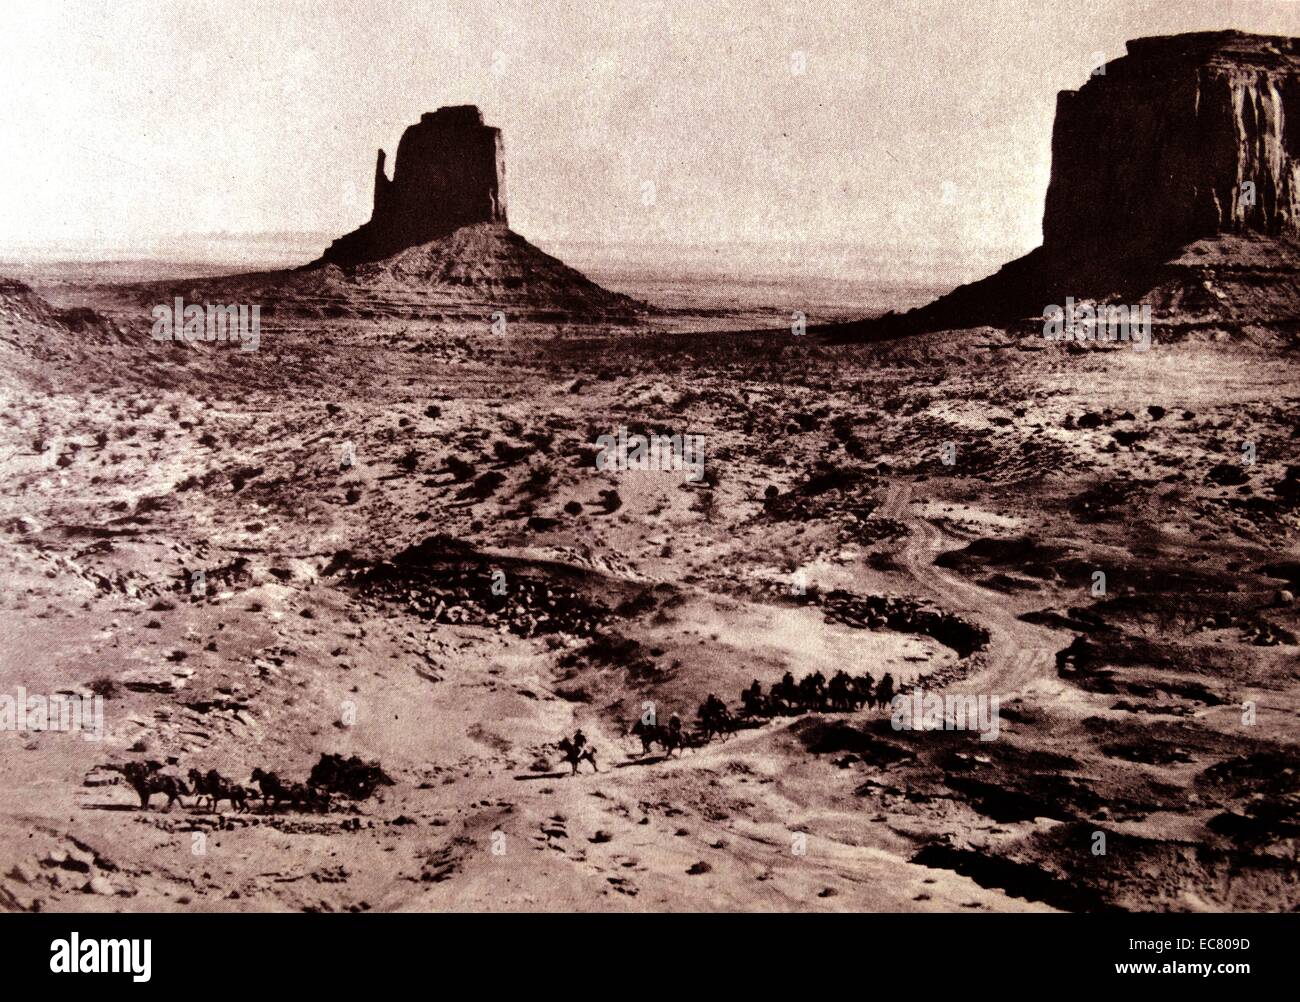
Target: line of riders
x,y
843,693
148,778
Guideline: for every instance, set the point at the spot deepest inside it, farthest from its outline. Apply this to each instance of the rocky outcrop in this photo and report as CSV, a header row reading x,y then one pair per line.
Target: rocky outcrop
x,y
906,615
449,173
473,274
1184,137
1175,180
437,244
36,327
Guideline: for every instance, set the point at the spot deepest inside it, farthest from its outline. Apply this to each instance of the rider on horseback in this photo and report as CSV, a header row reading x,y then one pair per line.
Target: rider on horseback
x,y
786,693
576,750
865,689
715,717
885,691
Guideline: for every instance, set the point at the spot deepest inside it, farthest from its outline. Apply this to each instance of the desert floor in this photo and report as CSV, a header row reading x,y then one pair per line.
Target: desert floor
x,y
348,608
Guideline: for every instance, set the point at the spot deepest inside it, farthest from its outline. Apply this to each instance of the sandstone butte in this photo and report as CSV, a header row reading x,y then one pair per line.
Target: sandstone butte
x,y
450,172
438,235
1175,181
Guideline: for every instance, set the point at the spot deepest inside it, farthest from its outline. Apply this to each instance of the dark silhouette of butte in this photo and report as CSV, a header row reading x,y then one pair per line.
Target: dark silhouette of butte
x,y
1175,181
438,231
450,172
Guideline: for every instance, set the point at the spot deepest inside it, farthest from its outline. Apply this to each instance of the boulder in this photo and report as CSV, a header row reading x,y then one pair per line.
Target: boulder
x,y
99,885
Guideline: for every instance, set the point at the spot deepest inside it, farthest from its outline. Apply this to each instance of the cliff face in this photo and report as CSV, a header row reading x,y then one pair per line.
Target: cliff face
x,y
1185,137
437,244
449,173
1186,141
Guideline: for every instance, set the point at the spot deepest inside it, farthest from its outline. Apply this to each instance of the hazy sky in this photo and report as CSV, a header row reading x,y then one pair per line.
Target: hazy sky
x,y
126,121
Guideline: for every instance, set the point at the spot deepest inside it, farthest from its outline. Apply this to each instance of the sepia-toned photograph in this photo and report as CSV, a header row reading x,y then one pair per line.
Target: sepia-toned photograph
x,y
747,457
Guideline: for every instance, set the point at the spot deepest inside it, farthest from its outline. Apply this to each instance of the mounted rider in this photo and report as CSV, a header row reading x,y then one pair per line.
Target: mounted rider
x,y
885,691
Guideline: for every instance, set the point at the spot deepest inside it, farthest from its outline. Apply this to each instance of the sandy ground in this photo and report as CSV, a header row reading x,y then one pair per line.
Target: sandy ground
x,y
128,465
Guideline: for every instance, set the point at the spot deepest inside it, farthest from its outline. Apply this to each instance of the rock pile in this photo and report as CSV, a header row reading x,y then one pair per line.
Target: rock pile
x,y
446,582
906,616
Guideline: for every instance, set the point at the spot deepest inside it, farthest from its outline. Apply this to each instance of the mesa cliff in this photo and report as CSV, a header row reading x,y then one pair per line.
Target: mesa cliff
x,y
438,235
437,246
1185,137
450,172
1175,181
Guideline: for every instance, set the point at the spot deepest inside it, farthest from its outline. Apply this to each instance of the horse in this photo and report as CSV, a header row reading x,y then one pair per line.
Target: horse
x,y
217,788
721,725
715,718
666,737
840,693
785,696
864,691
885,690
575,755
275,791
811,691
753,704
146,780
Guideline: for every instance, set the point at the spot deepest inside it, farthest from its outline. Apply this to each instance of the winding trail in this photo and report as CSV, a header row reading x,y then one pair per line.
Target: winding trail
x,y
1020,659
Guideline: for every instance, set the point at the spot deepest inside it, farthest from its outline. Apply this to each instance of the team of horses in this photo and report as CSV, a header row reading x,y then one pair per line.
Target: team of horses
x,y
148,779
843,693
